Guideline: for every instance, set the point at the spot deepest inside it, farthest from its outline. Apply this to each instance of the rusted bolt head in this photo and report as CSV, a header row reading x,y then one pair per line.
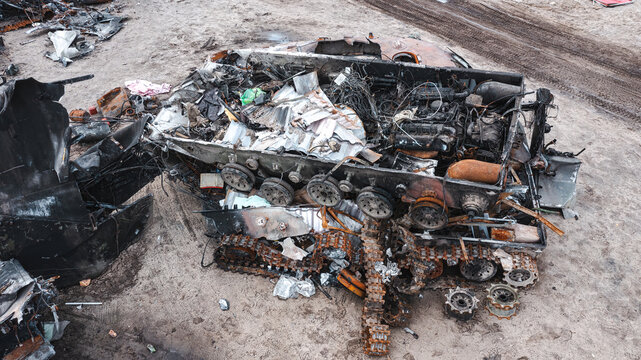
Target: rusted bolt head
x,y
345,186
400,189
252,164
282,226
295,177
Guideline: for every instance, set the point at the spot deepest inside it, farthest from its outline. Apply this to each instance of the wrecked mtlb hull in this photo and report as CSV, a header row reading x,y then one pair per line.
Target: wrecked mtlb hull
x,y
62,218
384,176
434,147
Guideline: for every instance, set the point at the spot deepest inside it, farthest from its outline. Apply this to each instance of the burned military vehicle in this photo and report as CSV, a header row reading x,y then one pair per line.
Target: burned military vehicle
x,y
63,217
351,163
405,171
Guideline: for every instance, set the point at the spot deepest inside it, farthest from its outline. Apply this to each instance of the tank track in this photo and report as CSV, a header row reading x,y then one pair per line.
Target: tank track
x,y
384,305
243,254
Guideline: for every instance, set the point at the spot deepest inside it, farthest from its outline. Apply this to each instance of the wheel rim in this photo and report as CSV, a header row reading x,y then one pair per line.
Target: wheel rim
x,y
375,203
478,270
238,177
277,192
325,192
428,215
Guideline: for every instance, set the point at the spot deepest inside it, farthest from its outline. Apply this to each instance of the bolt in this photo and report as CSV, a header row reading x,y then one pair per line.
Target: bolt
x,y
295,177
261,221
282,226
252,164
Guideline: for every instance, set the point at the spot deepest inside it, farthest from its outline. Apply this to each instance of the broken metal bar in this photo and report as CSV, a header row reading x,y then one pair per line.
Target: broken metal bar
x,y
320,288
540,217
73,80
82,303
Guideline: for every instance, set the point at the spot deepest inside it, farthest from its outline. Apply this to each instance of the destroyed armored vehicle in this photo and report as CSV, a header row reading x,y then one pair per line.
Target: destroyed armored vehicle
x,y
350,162
377,171
439,149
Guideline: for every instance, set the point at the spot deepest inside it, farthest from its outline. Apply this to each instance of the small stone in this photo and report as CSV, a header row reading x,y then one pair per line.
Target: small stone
x,y
224,304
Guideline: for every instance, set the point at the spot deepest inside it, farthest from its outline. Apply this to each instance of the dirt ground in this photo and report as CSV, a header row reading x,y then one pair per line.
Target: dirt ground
x,y
585,305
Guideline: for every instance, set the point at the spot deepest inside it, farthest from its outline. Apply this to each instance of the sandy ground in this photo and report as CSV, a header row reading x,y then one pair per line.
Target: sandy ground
x,y
585,305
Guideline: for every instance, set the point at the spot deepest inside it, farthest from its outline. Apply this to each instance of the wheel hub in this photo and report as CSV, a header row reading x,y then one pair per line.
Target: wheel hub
x,y
478,270
428,214
277,192
238,177
324,192
375,203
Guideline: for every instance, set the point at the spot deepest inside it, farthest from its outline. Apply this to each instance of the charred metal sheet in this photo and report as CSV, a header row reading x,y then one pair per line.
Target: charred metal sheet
x,y
30,115
47,222
272,223
50,247
558,187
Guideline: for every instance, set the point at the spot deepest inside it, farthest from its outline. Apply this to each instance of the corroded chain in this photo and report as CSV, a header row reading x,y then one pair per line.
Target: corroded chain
x,y
375,334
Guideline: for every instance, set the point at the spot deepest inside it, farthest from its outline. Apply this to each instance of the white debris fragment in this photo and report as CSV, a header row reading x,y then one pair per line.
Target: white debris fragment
x,y
306,287
224,304
288,287
506,259
292,251
324,278
387,271
338,265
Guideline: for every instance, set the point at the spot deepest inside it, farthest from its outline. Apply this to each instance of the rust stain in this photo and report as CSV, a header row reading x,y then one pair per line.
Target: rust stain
x,y
502,234
25,349
475,170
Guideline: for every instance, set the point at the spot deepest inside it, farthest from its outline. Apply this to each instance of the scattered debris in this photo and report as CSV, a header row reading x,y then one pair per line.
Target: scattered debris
x,y
151,348
289,287
112,333
81,304
85,283
411,332
146,88
502,301
69,45
12,70
327,160
224,304
461,303
613,3
24,301
65,24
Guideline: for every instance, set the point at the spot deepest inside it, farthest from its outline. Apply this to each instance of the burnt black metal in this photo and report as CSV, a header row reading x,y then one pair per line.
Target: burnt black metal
x,y
342,47
49,247
543,100
117,167
46,221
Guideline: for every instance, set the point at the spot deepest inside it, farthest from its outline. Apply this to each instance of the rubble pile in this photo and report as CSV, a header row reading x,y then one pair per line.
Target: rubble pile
x,y
385,166
25,302
326,161
67,25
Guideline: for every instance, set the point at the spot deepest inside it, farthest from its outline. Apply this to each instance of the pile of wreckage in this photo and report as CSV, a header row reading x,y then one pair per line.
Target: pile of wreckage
x,y
25,302
67,24
386,166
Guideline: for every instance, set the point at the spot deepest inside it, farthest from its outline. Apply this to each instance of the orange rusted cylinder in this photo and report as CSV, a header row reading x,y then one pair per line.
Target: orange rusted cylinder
x,y
475,170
